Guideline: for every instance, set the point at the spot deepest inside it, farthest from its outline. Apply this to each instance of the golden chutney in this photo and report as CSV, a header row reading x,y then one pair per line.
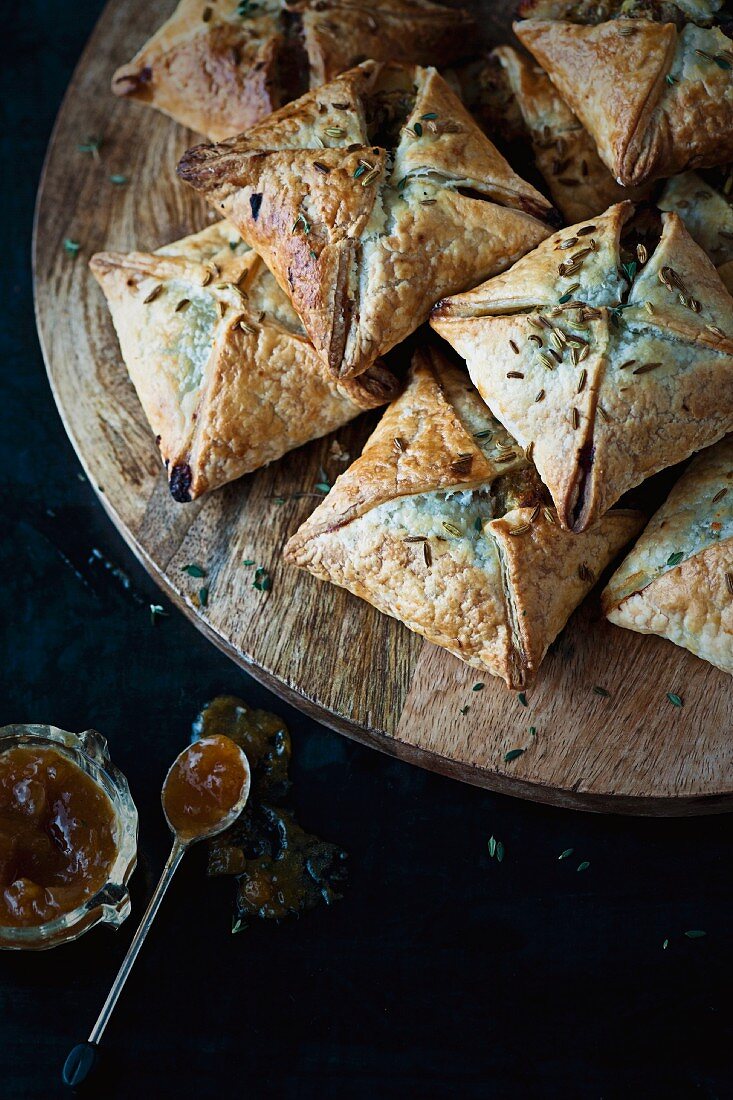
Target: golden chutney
x,y
203,785
57,836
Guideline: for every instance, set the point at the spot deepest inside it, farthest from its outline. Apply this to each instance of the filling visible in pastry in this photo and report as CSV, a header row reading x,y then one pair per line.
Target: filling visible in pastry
x,y
369,199
608,350
704,201
222,366
678,579
221,66
444,524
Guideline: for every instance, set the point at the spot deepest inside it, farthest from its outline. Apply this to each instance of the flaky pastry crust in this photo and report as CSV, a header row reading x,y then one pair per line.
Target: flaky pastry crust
x,y
225,374
368,198
656,99
221,66
609,380
579,182
442,524
678,579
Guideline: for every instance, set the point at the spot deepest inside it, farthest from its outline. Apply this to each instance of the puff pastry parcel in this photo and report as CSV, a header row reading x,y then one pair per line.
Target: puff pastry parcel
x,y
610,356
220,66
226,376
656,95
678,579
442,523
579,182
369,199
704,201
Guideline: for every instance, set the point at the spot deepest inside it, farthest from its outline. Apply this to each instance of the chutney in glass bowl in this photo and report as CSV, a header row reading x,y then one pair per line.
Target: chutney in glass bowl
x,y
68,836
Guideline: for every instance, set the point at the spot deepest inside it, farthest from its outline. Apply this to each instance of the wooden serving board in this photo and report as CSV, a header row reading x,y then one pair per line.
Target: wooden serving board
x,y
317,646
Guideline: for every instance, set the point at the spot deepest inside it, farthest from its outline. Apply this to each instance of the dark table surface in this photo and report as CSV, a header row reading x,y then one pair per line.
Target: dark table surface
x,y
441,972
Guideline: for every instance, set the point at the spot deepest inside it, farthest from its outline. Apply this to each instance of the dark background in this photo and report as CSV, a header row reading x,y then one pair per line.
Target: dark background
x,y
441,972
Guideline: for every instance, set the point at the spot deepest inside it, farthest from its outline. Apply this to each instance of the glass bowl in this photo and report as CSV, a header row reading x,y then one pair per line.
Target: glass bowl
x,y
111,903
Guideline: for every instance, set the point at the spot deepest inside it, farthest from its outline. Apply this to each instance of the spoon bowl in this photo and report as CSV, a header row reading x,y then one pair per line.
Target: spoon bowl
x,y
205,789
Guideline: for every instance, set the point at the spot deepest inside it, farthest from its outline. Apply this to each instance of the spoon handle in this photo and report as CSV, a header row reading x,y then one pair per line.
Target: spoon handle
x,y
137,941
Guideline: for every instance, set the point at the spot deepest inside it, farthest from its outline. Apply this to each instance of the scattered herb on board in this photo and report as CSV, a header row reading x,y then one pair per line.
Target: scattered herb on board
x,y
71,246
465,710
523,699
533,731
601,691
566,854
246,7
248,561
695,934
675,700
119,180
584,865
204,597
675,559
91,145
194,570
157,612
513,754
262,580
478,687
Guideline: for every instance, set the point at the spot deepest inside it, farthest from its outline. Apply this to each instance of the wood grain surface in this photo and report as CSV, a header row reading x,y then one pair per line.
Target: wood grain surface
x,y
317,646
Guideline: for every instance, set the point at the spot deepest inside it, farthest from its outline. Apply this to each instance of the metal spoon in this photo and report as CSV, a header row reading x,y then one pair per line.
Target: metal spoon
x,y
81,1060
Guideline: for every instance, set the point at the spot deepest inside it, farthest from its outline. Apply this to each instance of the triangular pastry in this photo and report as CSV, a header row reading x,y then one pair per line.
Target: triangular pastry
x,y
369,199
610,372
579,182
443,523
657,98
678,579
704,201
225,374
221,66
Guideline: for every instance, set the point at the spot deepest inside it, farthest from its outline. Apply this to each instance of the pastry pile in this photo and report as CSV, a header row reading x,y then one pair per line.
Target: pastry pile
x,y
363,193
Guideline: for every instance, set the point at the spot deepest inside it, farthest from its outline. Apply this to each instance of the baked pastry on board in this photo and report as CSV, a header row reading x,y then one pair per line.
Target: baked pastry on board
x,y
443,523
610,357
678,579
704,201
220,66
579,183
225,374
369,199
655,95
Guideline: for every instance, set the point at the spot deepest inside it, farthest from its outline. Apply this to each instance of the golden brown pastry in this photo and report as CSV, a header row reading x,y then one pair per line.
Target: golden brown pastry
x,y
611,356
225,374
580,184
678,579
655,95
704,201
369,199
442,523
220,66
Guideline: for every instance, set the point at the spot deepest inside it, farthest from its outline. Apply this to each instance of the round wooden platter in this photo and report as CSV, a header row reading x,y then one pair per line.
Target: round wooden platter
x,y
320,648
